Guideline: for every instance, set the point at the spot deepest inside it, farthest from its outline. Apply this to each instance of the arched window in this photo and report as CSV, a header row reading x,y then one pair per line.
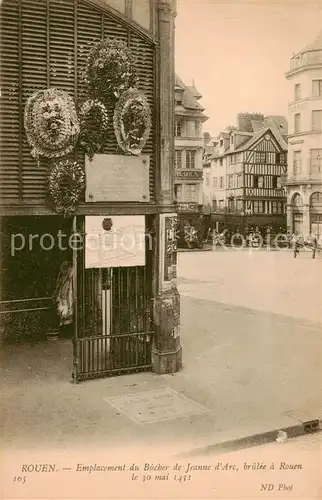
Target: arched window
x,y
297,201
316,201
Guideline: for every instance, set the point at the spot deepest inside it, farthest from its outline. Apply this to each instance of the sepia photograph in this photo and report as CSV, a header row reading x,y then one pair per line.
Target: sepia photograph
x,y
161,249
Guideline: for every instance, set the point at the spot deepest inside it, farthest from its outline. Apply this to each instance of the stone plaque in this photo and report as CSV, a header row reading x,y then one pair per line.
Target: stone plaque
x,y
117,178
156,405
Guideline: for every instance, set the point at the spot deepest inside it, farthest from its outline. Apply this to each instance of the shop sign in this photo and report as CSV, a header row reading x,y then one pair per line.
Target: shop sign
x,y
188,207
188,174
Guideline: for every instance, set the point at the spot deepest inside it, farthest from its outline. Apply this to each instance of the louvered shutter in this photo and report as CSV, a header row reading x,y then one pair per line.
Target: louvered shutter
x,y
54,25
144,55
9,122
34,78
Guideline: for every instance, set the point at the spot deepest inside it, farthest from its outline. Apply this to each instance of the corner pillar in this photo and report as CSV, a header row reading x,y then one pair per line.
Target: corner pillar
x,y
167,351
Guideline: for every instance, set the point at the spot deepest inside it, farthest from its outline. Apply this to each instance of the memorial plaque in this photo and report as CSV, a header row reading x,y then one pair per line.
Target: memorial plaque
x,y
117,178
152,406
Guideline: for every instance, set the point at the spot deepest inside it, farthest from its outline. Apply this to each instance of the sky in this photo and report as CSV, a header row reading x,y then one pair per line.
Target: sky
x,y
237,53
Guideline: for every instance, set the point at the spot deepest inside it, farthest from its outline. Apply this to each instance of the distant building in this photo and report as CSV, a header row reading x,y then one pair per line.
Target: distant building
x,y
304,180
247,169
189,117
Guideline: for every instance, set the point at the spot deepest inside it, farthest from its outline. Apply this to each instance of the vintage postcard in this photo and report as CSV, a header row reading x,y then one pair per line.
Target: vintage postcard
x,y
161,249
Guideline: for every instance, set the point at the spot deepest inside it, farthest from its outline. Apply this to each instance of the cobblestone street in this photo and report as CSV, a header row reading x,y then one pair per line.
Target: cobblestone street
x,y
260,280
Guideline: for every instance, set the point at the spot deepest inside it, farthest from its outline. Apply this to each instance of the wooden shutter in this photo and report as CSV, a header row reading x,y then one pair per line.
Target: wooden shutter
x,y
34,78
44,44
9,122
145,64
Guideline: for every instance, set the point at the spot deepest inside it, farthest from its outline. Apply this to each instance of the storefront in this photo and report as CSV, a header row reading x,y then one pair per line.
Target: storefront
x,y
190,226
72,165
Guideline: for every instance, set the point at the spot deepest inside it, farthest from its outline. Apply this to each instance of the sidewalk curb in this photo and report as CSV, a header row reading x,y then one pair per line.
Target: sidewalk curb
x,y
293,431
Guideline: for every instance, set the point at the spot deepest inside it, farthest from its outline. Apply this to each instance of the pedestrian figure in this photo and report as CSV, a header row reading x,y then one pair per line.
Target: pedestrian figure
x,y
314,246
296,245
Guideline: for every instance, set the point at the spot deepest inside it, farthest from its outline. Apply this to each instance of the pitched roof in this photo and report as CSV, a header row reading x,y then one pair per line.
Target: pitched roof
x,y
278,120
189,101
257,135
179,83
194,91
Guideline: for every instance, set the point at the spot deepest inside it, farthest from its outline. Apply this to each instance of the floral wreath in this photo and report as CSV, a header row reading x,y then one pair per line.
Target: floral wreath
x,y
51,123
132,121
109,69
93,126
66,183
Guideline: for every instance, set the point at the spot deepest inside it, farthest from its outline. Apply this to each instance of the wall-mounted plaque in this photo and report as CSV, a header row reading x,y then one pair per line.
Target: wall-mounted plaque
x,y
120,244
113,178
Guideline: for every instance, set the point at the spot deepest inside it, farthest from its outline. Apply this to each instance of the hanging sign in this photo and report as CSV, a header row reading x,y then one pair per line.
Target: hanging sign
x,y
114,241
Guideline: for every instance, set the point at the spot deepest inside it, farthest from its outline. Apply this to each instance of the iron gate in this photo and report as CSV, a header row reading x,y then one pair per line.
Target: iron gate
x,y
113,321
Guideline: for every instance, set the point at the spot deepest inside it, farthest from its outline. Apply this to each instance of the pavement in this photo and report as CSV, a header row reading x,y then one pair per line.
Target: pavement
x,y
252,351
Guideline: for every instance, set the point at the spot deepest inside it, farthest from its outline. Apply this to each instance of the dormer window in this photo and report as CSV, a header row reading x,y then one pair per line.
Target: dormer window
x,y
231,139
221,143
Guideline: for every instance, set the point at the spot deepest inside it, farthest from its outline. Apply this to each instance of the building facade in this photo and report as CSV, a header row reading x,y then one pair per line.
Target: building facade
x,y
126,307
304,179
247,169
188,162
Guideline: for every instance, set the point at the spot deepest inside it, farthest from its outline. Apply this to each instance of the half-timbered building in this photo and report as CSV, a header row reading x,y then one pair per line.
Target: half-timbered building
x,y
126,312
247,170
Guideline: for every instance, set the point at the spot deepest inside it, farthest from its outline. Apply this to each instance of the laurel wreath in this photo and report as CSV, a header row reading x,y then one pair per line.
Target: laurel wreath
x,y
66,183
132,121
51,123
94,121
109,69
